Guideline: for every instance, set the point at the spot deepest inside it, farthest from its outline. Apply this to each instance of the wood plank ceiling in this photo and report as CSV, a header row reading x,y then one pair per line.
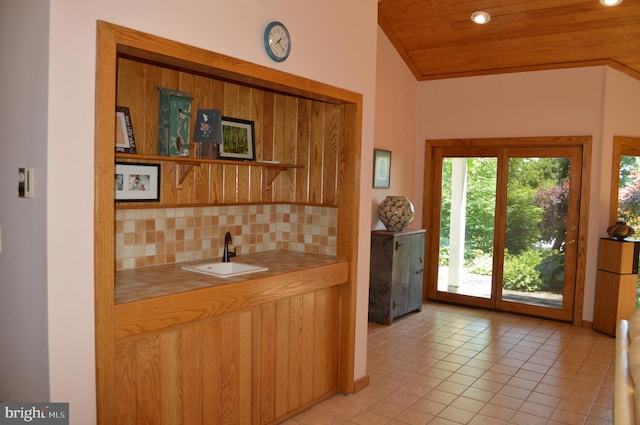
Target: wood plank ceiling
x,y
438,40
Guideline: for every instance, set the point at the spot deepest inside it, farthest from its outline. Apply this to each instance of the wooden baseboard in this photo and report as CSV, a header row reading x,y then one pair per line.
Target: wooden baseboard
x,y
361,383
587,324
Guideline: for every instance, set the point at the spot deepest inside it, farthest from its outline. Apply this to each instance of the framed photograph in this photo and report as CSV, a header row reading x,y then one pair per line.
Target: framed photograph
x,y
238,142
125,142
137,182
381,168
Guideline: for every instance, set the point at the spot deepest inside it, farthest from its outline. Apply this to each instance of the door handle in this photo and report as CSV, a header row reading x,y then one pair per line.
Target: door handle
x,y
571,242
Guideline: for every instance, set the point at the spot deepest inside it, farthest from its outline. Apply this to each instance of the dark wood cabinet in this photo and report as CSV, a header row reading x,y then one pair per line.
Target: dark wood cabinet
x,y
396,272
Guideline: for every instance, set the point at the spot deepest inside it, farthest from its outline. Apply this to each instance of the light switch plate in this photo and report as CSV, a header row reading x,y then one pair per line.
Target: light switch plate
x,y
25,182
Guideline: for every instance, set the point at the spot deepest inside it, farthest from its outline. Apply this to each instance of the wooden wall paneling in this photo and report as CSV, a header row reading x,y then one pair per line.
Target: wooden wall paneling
x,y
231,109
296,338
264,362
147,370
125,378
255,174
302,151
170,382
230,384
226,375
282,350
230,189
231,100
267,141
216,183
330,157
279,113
201,181
212,372
308,347
131,81
325,367
244,102
191,358
169,195
243,112
316,137
150,111
286,179
170,79
245,368
242,182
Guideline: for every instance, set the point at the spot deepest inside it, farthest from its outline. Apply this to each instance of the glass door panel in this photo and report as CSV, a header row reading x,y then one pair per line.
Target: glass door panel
x,y
536,229
467,226
629,191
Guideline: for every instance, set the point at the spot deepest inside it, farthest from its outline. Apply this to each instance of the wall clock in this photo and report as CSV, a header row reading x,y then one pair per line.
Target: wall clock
x,y
277,41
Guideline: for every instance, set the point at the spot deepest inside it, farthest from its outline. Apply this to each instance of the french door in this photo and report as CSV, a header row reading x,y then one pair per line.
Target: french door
x,y
503,225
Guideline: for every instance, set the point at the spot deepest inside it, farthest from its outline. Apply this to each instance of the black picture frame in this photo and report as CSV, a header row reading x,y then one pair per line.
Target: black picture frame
x,y
125,141
137,182
238,141
381,169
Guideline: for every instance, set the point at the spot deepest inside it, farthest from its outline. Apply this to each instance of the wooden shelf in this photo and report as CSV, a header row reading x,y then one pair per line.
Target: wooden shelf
x,y
186,164
199,161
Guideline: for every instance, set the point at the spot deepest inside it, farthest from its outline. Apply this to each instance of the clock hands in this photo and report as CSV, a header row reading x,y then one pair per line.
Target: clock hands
x,y
279,44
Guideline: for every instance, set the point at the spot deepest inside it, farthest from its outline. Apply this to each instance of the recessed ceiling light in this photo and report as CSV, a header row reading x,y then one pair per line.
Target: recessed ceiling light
x,y
610,3
482,17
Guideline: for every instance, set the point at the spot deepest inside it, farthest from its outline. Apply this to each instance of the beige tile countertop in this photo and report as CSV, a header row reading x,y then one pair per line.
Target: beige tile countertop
x,y
156,281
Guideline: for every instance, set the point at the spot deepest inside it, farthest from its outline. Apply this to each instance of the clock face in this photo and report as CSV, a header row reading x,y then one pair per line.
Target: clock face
x,y
277,41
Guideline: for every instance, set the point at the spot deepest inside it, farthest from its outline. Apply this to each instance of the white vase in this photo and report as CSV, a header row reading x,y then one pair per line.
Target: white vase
x,y
396,212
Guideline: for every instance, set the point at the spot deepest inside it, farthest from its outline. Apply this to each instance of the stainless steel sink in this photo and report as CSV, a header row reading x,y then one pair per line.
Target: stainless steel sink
x,y
224,269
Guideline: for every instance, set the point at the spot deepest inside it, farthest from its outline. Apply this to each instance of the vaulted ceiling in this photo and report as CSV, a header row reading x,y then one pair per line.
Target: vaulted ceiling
x,y
437,39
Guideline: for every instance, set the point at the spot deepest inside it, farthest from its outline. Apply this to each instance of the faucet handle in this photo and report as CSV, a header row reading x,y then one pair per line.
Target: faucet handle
x,y
233,253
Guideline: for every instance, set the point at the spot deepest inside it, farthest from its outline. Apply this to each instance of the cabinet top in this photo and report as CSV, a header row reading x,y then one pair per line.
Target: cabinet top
x,y
400,233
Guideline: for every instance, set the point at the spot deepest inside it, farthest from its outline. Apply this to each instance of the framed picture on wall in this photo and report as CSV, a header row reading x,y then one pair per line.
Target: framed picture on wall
x,y
237,140
381,169
137,182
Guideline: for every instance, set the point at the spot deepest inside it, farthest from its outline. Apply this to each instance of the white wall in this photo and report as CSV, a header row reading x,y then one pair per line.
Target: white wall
x,y
24,369
595,101
395,128
333,42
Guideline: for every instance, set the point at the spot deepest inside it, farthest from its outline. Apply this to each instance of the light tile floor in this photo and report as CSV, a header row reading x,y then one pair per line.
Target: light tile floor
x,y
456,365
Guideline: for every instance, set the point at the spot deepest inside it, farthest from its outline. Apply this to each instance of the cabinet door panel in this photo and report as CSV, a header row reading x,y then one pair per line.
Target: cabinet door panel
x,y
191,375
401,275
296,354
416,273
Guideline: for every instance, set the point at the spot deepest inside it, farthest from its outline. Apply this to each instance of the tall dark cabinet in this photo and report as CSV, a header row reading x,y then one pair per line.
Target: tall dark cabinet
x,y
396,272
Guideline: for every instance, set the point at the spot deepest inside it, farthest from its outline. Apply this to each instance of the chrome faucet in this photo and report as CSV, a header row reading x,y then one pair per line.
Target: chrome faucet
x,y
225,253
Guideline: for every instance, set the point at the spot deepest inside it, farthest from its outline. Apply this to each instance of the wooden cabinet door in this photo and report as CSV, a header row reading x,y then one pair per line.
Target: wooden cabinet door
x,y
416,272
408,269
401,275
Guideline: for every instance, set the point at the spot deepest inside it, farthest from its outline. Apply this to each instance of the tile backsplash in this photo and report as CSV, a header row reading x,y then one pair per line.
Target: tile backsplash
x,y
149,237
